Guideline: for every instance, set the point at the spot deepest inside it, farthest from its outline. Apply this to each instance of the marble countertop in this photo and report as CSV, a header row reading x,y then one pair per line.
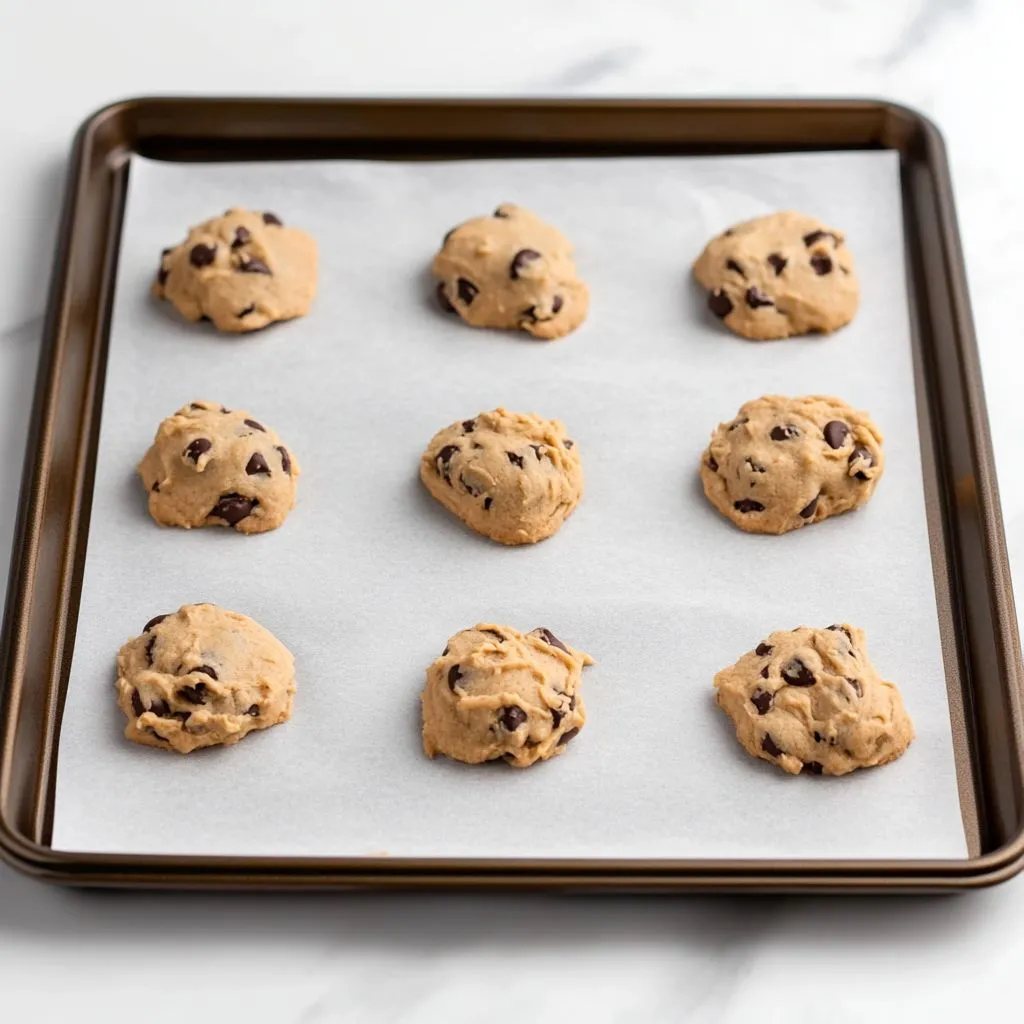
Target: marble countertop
x,y
317,959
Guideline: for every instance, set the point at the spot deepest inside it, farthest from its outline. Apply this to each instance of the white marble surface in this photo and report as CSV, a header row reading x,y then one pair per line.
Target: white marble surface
x,y
317,959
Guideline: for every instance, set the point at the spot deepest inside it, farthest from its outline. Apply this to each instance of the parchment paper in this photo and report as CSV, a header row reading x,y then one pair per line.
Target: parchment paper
x,y
369,576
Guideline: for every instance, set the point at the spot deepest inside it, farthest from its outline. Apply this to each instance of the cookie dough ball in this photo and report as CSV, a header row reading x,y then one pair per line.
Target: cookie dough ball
x,y
203,677
496,692
514,477
809,700
511,270
785,462
209,466
242,271
780,275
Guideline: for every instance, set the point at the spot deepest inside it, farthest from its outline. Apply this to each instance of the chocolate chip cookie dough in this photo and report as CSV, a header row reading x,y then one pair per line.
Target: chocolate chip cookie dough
x,y
511,270
785,462
211,466
809,700
203,677
778,276
243,270
514,477
498,693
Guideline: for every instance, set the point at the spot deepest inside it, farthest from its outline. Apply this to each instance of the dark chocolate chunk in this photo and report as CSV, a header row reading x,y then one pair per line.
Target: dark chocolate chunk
x,y
784,433
556,304
255,426
233,508
520,260
487,504
206,671
137,705
812,767
755,466
821,264
193,694
202,255
836,433
155,621
286,460
150,644
762,700
447,235
503,214
251,265
500,637
796,673
549,638
769,747
566,736
568,444
257,465
469,426
764,672
855,683
763,649
817,736
253,711
161,276
467,291
755,297
454,675
712,464
556,718
160,708
516,460
842,629
248,311
270,218
720,304
470,488
817,236
443,461
809,509
198,447
539,450
511,717
156,487
733,265
242,237
748,505
442,298
864,455
778,262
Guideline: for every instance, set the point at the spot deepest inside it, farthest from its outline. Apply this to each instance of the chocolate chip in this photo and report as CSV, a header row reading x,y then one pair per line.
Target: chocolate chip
x,y
762,700
155,621
156,487
556,304
531,314
467,290
161,276
568,444
769,747
712,464
198,405
193,694
270,218
755,466
738,422
861,454
204,319
444,653
556,718
796,673
165,252
286,459
257,465
748,505
817,736
836,432
243,313
469,426
764,672
253,711
443,460
762,649
157,736
821,264
778,262
539,450
225,410
549,638
487,504
137,705
447,235
520,260
817,236
200,446
516,460
720,304
808,510
855,683
242,237
784,433
500,637
733,265
150,644
233,508
161,709
454,675
842,629
499,212
255,426
442,298
812,767
470,488
251,265
755,297
566,736
512,717
727,232
202,255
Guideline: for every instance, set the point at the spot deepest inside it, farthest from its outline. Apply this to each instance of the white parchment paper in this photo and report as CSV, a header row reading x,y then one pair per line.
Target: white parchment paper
x,y
369,576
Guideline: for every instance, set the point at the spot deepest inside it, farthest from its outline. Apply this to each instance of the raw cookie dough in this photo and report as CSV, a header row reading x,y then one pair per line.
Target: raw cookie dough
x,y
496,692
810,700
203,677
511,270
779,275
514,477
242,271
209,466
785,462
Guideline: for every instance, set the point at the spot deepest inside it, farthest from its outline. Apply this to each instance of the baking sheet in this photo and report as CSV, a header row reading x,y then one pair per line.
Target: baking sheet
x,y
369,576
